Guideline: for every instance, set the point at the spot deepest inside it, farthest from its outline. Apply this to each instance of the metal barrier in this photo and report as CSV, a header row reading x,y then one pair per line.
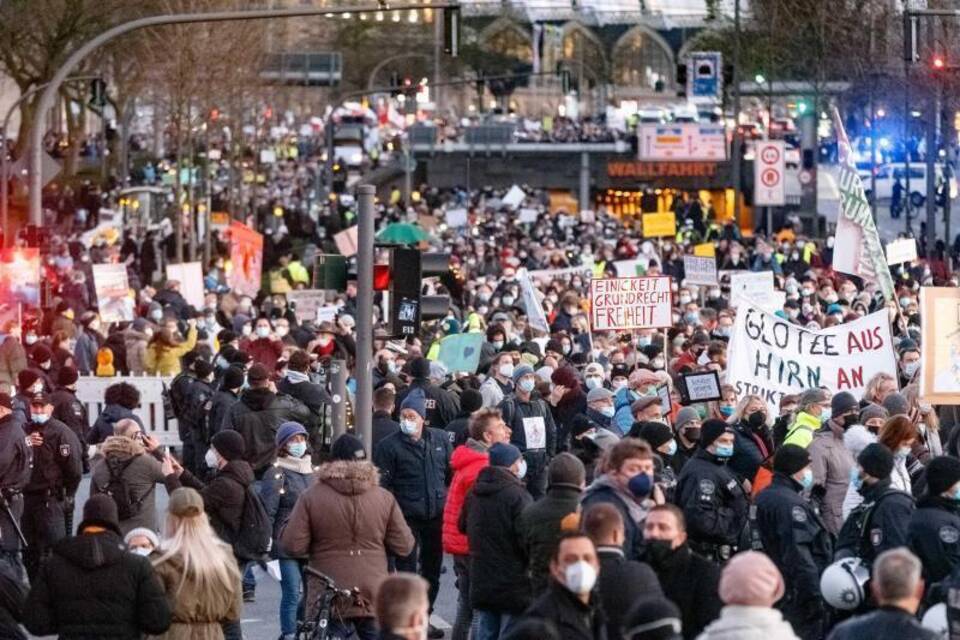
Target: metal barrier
x,y
91,390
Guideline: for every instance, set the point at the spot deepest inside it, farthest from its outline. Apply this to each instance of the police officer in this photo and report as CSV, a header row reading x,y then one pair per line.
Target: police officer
x,y
197,405
53,482
532,428
881,521
15,457
794,536
179,394
713,501
934,530
70,411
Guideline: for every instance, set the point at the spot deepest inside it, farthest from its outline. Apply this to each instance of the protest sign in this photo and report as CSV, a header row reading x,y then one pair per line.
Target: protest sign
x,y
697,270
902,250
190,277
528,215
20,276
347,241
940,344
460,352
702,386
657,225
535,316
771,357
306,303
753,286
326,313
513,198
456,217
705,250
246,259
618,304
114,301
629,268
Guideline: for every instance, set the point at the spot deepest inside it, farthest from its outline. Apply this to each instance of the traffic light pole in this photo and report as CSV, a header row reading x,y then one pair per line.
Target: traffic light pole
x,y
363,411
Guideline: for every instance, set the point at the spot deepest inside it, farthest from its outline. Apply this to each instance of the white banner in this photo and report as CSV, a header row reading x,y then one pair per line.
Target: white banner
x,y
619,304
697,270
770,357
535,316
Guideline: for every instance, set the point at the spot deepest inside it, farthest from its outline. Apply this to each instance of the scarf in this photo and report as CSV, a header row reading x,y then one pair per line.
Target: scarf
x,y
297,465
297,377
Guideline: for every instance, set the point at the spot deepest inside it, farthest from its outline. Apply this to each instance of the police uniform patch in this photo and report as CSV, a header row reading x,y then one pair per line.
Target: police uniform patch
x,y
948,534
876,537
430,404
707,487
731,485
799,514
65,450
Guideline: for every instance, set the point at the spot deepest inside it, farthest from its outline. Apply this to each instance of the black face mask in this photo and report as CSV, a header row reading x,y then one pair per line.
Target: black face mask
x,y
692,434
756,420
658,551
850,420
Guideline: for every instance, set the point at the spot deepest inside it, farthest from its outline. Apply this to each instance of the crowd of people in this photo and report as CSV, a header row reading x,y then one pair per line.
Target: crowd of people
x,y
570,488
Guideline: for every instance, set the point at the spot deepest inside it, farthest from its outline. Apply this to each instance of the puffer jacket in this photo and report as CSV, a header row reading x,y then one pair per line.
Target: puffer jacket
x,y
346,524
91,588
748,623
467,461
136,348
222,497
165,361
281,487
142,473
831,463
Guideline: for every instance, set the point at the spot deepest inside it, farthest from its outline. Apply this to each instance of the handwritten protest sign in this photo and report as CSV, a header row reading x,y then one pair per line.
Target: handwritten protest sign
x,y
940,343
306,302
697,270
630,303
706,250
756,287
114,302
902,250
771,357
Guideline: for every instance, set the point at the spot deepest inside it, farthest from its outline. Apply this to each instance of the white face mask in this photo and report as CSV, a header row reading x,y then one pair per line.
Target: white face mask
x,y
211,459
522,471
580,577
506,370
141,551
408,427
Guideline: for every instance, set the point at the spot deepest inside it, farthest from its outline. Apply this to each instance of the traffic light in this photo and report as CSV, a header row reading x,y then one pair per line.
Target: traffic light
x,y
937,62
451,31
682,79
408,307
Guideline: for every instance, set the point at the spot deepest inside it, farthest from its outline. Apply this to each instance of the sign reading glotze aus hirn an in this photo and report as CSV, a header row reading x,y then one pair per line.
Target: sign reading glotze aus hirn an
x,y
620,304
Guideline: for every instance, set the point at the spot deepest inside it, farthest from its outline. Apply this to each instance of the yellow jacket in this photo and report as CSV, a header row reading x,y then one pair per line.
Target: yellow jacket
x,y
165,361
801,431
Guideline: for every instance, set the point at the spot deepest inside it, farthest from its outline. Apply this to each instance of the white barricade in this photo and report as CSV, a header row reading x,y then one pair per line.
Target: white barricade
x,y
91,390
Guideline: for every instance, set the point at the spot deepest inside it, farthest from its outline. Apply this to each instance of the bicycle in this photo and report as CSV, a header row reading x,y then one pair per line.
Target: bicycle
x,y
330,599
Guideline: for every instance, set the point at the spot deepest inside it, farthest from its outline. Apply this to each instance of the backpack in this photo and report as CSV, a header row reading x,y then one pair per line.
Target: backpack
x,y
118,489
253,538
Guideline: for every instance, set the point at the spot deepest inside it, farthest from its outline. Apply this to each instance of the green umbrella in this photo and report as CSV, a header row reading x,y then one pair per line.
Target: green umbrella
x,y
402,233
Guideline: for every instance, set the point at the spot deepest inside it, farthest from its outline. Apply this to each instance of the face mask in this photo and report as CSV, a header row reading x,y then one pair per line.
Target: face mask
x,y
684,299
658,551
806,292
826,414
522,470
506,370
806,480
263,332
527,384
955,495
643,341
156,315
37,388
40,418
850,420
392,366
30,339
580,577
657,363
566,348
724,451
903,452
910,368
905,302
497,344
608,412
671,448
323,341
297,449
692,317
726,411
408,427
507,300
282,331
619,383
640,485
756,419
45,365
692,434
594,382
210,458
141,551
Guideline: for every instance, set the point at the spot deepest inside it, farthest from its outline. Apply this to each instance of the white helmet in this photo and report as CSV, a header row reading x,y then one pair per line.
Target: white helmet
x,y
841,584
935,619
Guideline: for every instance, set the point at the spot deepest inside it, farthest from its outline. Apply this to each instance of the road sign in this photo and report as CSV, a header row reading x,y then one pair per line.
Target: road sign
x,y
681,141
49,168
705,76
769,166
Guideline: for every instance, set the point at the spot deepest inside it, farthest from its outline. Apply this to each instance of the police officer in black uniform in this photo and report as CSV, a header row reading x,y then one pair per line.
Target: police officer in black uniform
x,y
179,394
934,530
881,521
793,535
15,458
713,500
53,482
70,411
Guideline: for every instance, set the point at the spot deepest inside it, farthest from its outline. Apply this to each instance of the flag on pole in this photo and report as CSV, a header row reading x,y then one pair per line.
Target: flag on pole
x,y
531,302
857,249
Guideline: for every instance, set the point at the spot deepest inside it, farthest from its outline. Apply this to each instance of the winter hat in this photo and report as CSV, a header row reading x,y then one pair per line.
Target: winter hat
x,y
67,376
100,511
711,430
842,403
790,458
642,378
26,379
522,370
257,374
896,404
503,455
232,378
286,431
349,448
642,403
751,579
652,618
619,371
417,401
185,503
566,376
40,353
598,394
655,433
872,411
685,415
202,368
876,460
470,401
139,324
566,470
229,444
143,532
811,397
594,369
554,345
419,368
942,473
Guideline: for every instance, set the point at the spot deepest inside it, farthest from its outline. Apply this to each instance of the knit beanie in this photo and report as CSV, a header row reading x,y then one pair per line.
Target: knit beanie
x,y
143,532
67,376
843,402
876,460
751,579
942,473
896,404
232,378
711,430
655,433
229,444
871,411
349,448
790,458
100,511
286,431
685,415
420,368
522,370
566,470
652,618
503,455
470,401
26,378
417,401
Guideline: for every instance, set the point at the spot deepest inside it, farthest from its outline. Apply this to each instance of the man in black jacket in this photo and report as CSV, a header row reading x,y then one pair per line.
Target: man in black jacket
x,y
533,430
297,384
15,472
442,406
414,465
70,411
384,399
570,602
197,405
499,589
690,581
92,588
622,582
257,416
934,530
470,401
226,396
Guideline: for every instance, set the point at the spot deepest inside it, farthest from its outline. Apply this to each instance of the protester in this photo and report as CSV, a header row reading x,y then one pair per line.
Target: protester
x,y
831,461
653,618
402,606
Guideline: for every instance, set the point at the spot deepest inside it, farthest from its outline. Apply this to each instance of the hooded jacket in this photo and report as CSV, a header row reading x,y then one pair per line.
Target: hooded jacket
x,y
91,588
111,415
256,418
748,623
345,523
222,497
141,473
467,461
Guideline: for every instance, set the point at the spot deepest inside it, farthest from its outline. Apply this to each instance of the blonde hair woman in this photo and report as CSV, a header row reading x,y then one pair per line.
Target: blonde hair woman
x,y
198,572
928,424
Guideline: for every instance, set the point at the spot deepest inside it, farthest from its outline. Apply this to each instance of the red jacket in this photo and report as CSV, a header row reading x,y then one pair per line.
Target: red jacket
x,y
466,463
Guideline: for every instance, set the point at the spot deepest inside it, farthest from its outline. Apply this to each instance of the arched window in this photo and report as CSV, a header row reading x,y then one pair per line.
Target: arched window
x,y
509,39
583,53
640,59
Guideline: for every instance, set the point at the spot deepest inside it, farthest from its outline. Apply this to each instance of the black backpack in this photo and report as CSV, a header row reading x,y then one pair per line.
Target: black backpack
x,y
118,489
253,538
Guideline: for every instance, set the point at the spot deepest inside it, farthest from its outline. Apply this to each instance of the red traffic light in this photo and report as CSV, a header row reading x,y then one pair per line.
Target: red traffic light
x,y
381,277
938,62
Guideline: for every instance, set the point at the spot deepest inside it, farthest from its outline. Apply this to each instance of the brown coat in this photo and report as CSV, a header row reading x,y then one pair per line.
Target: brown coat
x,y
196,613
346,523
